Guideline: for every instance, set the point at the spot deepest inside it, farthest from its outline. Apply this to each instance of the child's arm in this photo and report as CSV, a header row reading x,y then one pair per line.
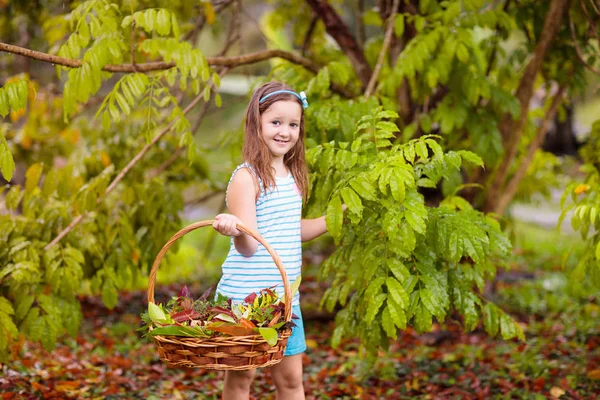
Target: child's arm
x,y
241,200
312,228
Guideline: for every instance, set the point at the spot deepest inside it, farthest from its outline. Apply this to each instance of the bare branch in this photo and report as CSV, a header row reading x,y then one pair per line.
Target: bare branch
x,y
309,32
360,27
384,49
233,61
595,7
202,20
577,49
161,65
205,197
233,31
511,188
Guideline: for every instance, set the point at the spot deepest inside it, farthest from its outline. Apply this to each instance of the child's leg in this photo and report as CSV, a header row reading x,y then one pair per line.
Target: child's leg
x,y
287,376
237,384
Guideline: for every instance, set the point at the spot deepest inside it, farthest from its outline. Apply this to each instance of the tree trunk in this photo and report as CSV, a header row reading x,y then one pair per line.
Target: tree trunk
x,y
341,34
511,129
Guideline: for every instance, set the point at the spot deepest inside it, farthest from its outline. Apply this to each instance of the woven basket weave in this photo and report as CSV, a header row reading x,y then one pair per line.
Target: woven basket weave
x,y
221,352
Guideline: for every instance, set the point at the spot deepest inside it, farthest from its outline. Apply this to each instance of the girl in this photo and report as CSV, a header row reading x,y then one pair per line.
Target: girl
x,y
265,193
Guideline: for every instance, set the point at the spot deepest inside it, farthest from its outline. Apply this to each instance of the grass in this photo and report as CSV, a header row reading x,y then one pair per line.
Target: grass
x,y
538,248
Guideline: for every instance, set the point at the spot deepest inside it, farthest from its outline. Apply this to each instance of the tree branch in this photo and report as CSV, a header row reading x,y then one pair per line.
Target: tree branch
x,y
511,188
341,34
384,49
577,49
360,27
309,32
123,172
511,129
233,61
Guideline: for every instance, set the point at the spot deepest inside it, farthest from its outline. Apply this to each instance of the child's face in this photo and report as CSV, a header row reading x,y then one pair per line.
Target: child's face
x,y
280,125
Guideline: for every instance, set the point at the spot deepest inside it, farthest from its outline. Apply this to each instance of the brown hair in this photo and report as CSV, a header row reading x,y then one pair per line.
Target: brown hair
x,y
255,151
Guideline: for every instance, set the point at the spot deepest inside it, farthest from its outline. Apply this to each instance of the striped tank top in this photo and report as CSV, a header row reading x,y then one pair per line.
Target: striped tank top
x,y
278,216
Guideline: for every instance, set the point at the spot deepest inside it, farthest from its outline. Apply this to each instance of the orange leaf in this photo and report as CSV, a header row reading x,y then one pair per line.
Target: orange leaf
x,y
67,385
233,330
247,323
275,319
594,374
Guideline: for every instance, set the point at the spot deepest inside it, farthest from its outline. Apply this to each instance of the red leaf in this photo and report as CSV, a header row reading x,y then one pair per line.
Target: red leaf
x,y
250,298
185,315
184,292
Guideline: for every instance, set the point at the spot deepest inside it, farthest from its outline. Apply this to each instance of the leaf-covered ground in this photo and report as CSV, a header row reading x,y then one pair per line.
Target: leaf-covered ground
x,y
110,360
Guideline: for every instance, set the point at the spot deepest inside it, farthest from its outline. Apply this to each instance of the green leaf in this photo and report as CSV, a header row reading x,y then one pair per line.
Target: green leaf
x,y
269,334
398,269
110,297
352,200
163,22
470,314
421,149
7,163
423,319
375,304
397,292
399,25
23,305
491,319
388,323
507,327
175,330
6,306
432,303
363,187
471,157
295,286
397,313
32,177
156,313
397,187
334,218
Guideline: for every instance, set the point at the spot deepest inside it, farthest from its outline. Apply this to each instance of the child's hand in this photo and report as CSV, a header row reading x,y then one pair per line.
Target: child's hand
x,y
225,224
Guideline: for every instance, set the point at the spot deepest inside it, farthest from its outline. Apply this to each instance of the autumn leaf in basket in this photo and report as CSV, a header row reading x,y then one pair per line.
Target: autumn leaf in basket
x,y
260,313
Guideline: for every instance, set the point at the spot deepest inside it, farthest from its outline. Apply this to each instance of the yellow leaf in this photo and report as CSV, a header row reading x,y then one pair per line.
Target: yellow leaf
x,y
26,142
105,159
209,12
556,392
581,188
311,343
16,115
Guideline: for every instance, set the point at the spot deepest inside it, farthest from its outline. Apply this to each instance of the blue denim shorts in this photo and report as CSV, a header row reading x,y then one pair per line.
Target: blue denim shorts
x,y
296,343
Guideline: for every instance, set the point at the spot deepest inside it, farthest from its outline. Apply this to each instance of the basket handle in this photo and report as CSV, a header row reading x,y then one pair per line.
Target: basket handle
x,y
286,284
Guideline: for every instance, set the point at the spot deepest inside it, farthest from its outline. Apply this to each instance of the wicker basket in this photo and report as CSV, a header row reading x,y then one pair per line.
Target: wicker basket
x,y
221,352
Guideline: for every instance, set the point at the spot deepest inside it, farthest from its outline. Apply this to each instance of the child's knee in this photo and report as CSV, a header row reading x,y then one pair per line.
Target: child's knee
x,y
288,379
239,379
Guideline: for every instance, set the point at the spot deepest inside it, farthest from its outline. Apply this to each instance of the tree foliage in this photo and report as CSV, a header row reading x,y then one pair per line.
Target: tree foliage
x,y
103,184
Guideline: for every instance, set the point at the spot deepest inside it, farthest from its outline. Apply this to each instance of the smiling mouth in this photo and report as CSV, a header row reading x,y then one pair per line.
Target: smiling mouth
x,y
280,141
